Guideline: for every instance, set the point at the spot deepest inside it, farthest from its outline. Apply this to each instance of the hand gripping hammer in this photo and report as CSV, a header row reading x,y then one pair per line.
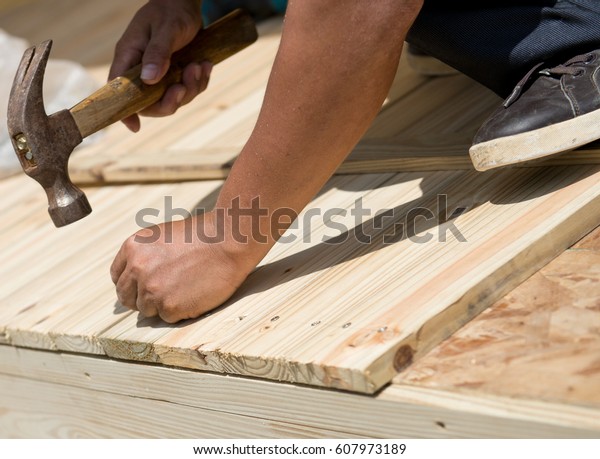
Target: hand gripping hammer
x,y
44,143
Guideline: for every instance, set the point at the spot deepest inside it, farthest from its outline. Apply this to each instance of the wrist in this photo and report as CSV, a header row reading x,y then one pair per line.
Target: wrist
x,y
219,230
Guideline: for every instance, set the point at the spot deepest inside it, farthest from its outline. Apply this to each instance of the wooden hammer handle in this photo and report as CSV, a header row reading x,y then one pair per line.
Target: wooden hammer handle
x,y
128,94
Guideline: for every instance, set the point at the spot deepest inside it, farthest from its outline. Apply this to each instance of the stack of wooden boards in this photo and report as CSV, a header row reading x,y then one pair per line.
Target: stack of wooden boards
x,y
426,124
348,315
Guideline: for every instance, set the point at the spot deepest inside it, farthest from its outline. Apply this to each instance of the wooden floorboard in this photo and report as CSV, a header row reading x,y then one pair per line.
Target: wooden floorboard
x,y
347,315
84,31
54,394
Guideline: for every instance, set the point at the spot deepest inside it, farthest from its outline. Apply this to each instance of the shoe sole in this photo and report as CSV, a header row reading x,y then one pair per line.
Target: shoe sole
x,y
532,145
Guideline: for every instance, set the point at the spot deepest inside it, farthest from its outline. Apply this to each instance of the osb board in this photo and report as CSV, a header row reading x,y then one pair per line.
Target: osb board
x,y
541,341
345,315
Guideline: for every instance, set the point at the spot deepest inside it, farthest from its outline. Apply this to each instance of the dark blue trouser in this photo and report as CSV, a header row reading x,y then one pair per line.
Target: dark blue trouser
x,y
496,45
494,42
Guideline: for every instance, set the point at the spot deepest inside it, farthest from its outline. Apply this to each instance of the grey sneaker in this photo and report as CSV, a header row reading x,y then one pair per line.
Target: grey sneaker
x,y
551,110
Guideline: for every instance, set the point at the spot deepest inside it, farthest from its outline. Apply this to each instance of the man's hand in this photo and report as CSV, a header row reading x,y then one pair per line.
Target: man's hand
x,y
333,70
158,29
167,271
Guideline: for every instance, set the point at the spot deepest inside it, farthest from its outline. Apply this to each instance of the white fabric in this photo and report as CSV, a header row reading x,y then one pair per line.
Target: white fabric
x,y
65,84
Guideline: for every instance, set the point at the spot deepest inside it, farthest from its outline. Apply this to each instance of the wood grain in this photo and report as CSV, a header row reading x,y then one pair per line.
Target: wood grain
x,y
137,399
67,412
347,315
425,124
83,31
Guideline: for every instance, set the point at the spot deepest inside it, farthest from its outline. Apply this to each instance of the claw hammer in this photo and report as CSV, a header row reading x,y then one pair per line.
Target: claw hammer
x,y
44,143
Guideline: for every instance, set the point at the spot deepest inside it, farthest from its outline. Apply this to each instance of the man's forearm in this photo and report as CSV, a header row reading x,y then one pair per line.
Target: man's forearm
x,y
334,68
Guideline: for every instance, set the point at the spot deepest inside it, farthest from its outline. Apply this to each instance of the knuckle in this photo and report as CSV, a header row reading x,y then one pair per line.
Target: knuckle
x,y
166,110
180,24
124,301
153,289
130,245
170,311
146,309
185,23
136,268
156,51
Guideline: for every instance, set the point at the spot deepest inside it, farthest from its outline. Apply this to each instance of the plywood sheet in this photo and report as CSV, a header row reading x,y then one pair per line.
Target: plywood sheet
x,y
541,341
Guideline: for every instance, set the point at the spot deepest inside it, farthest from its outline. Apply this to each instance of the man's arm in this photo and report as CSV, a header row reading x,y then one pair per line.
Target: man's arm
x,y
335,65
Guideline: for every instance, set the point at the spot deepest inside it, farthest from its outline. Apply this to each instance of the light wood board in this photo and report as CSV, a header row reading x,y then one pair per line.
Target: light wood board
x,y
425,125
51,394
84,31
347,316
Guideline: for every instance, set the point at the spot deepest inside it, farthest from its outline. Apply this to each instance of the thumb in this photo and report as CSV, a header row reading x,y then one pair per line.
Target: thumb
x,y
157,56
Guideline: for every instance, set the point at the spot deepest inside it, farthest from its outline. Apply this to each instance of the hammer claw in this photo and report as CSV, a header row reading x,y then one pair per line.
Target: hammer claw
x,y
35,60
26,94
24,65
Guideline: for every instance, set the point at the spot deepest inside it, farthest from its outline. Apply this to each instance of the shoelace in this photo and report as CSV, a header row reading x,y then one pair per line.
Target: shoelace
x,y
568,68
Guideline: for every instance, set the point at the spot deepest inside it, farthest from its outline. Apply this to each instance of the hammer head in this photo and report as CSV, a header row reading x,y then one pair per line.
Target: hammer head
x,y
44,143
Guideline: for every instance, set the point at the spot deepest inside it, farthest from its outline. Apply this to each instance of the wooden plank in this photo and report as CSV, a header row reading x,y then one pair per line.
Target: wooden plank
x,y
85,31
134,339
47,410
255,407
547,329
400,139
416,294
211,164
7,5
37,318
192,144
346,315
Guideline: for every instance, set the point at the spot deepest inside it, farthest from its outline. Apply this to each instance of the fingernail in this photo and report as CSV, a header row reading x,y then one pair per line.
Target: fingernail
x,y
149,72
207,68
180,96
198,73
